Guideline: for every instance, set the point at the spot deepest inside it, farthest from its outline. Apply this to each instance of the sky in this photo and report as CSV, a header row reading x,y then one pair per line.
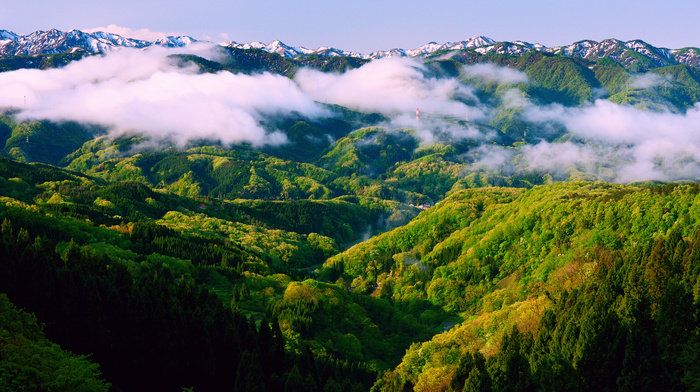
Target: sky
x,y
369,25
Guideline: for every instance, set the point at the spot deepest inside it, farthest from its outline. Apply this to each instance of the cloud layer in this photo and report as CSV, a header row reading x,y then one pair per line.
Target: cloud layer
x,y
608,141
144,91
493,73
392,86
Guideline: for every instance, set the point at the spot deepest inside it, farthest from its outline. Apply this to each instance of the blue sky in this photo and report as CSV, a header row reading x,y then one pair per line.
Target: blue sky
x,y
369,25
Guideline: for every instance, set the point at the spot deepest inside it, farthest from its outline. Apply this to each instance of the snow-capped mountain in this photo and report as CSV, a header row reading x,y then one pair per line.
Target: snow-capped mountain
x,y
425,50
625,53
433,47
510,48
292,51
7,36
55,41
687,56
178,41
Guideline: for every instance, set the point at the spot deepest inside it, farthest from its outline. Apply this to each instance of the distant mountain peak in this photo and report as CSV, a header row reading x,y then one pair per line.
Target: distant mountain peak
x,y
56,41
625,53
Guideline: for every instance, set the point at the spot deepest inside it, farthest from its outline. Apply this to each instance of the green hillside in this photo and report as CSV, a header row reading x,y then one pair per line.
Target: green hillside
x,y
524,263
510,267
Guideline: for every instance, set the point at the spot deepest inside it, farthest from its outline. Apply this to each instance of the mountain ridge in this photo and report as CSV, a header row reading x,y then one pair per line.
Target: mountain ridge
x,y
633,53
56,41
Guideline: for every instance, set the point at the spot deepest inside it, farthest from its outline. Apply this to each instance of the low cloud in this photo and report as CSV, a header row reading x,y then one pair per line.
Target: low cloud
x,y
612,123
514,98
144,91
649,80
494,73
391,86
398,87
147,92
441,132
608,141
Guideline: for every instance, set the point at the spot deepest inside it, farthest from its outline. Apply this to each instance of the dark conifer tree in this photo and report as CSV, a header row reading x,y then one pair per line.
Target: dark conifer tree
x,y
510,368
249,375
479,379
294,382
466,365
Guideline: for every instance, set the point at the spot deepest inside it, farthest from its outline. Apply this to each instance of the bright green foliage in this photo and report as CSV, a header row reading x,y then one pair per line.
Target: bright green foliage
x,y
284,248
236,248
483,239
368,151
44,141
212,172
347,325
587,273
42,61
145,332
565,80
253,61
336,219
336,64
611,75
408,252
597,305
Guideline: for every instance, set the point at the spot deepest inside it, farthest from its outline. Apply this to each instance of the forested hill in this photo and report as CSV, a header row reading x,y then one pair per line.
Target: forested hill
x,y
578,286
166,292
535,280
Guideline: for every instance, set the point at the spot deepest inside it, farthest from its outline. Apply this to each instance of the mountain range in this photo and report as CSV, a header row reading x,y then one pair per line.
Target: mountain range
x,y
626,53
55,41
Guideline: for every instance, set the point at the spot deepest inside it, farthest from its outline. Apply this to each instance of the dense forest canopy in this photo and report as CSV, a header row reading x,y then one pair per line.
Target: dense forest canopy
x,y
296,224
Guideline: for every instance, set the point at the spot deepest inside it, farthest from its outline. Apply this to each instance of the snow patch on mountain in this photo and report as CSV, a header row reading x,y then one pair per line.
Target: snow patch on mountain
x,y
508,48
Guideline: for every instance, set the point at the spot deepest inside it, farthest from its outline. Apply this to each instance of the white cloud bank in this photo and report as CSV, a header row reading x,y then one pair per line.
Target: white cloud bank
x,y
143,91
392,86
611,142
397,87
494,73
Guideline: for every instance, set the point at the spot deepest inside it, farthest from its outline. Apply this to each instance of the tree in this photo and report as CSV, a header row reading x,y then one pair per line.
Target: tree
x,y
479,379
294,382
510,367
249,376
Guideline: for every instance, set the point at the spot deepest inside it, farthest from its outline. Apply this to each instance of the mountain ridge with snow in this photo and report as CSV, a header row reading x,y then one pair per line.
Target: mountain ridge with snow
x,y
626,53
56,41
